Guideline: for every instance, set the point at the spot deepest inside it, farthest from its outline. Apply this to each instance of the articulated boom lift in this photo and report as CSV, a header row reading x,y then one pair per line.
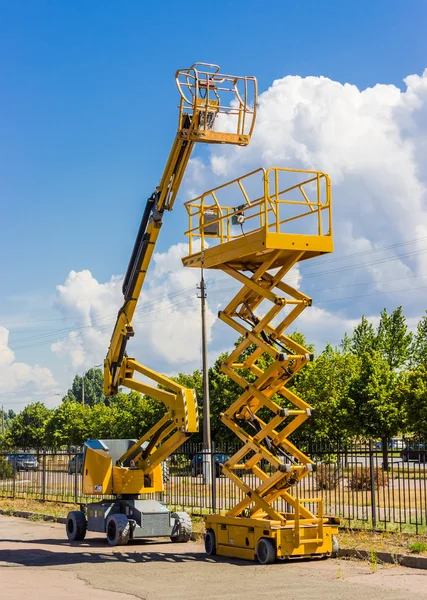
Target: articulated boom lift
x,y
214,109
259,226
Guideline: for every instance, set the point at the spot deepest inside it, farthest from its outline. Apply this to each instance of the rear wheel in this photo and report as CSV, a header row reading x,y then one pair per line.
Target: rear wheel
x,y
265,552
76,526
118,530
183,527
210,543
335,546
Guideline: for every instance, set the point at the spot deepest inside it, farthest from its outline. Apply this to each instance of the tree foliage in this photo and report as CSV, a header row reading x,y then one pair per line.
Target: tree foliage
x,y
361,388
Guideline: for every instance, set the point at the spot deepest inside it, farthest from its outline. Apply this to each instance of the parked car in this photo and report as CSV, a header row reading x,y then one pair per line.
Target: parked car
x,y
197,464
414,451
23,462
75,460
393,444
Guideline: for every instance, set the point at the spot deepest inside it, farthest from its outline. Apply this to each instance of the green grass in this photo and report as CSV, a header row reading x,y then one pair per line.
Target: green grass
x,y
417,547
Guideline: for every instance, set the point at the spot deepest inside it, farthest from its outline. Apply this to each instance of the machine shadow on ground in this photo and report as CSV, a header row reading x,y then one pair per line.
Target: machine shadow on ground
x,y
51,558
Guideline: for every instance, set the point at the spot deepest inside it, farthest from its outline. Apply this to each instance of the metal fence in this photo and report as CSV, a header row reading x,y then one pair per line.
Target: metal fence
x,y
349,478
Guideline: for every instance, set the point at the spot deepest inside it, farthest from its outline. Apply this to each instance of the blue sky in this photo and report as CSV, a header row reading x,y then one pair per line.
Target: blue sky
x,y
88,114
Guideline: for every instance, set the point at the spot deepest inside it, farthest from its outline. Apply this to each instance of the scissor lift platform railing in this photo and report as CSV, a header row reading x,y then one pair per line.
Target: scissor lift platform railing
x,y
256,228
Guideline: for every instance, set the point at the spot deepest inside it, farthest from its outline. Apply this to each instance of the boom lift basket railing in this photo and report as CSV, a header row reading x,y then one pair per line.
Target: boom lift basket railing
x,y
210,95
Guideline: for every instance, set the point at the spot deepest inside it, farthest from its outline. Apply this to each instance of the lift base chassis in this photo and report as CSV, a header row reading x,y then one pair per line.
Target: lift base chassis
x,y
238,537
148,518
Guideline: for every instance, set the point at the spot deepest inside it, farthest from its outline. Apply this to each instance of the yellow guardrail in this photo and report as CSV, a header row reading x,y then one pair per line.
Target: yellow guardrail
x,y
265,203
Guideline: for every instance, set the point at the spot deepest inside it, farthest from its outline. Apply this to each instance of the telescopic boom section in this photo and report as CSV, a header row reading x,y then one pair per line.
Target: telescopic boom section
x,y
214,109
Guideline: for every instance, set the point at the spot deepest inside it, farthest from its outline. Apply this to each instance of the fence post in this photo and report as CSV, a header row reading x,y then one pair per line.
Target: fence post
x,y
76,480
44,476
213,487
372,472
14,475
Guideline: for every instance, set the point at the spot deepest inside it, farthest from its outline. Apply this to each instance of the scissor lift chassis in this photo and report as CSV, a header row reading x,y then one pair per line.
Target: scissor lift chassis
x,y
239,537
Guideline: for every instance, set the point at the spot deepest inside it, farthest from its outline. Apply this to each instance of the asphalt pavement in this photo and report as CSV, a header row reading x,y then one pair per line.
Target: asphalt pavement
x,y
38,562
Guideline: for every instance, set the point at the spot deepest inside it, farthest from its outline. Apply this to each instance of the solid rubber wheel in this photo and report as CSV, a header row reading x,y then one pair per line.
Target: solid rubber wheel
x,y
210,543
265,552
183,527
76,526
335,546
118,530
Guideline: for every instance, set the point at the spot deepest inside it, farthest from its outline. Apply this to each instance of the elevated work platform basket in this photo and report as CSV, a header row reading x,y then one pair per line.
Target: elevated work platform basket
x,y
243,221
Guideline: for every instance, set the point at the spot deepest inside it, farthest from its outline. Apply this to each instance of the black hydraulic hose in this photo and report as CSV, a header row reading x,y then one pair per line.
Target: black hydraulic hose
x,y
139,242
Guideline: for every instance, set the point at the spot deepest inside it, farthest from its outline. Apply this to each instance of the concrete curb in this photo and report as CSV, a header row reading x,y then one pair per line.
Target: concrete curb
x,y
29,515
404,560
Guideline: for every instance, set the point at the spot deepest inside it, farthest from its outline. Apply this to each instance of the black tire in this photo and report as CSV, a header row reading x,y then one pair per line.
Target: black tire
x,y
76,526
210,543
118,530
183,528
335,546
265,551
165,472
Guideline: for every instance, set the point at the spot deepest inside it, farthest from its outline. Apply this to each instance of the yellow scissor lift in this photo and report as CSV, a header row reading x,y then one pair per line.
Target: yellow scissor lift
x,y
256,228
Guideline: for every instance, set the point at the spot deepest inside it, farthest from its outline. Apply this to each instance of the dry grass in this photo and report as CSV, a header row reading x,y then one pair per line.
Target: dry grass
x,y
395,543
55,509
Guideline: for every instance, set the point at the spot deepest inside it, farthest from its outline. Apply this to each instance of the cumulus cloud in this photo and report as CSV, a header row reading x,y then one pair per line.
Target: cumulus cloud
x,y
20,381
167,321
372,142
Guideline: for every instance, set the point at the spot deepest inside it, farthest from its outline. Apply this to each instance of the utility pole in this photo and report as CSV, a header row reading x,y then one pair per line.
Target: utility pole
x,y
2,419
207,459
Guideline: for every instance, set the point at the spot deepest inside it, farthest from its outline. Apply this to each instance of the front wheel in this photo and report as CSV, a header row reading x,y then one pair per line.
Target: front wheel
x,y
76,526
265,552
118,530
210,543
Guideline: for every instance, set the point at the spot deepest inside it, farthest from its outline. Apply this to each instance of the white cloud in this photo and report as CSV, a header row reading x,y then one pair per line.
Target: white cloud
x,y
167,321
19,381
372,142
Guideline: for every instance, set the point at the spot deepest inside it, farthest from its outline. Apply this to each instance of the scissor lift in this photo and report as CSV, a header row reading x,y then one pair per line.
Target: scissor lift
x,y
256,228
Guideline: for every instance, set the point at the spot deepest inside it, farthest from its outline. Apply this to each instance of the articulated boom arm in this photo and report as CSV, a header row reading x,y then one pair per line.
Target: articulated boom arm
x,y
207,98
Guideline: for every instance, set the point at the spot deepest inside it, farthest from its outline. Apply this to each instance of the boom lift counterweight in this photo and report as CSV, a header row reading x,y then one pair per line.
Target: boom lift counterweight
x,y
214,109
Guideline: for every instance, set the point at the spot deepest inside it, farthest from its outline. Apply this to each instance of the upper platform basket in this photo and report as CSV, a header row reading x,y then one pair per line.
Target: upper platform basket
x,y
241,223
216,108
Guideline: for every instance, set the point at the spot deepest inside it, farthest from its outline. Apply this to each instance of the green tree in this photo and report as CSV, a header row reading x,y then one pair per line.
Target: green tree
x,y
364,338
68,425
93,385
413,391
28,429
419,344
393,339
324,384
377,405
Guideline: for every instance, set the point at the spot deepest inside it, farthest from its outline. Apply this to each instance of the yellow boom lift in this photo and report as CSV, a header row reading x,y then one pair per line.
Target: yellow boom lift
x,y
256,228
215,109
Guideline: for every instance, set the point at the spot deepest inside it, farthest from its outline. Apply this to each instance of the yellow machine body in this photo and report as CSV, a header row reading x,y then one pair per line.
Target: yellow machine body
x,y
214,108
238,537
256,228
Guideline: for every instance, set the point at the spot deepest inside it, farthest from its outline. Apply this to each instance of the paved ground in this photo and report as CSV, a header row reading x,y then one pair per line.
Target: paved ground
x,y
37,563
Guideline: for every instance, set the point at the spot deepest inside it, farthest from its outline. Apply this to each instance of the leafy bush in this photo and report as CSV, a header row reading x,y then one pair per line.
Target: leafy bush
x,y
6,469
360,479
417,547
327,477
